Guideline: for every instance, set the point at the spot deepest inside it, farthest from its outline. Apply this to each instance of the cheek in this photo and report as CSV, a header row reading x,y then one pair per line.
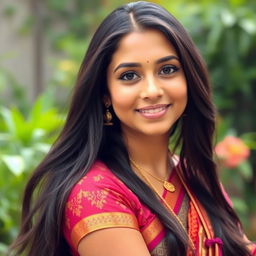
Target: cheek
x,y
122,99
178,90
182,94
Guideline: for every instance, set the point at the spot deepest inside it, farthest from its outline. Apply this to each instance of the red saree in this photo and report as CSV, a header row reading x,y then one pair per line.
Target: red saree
x,y
100,200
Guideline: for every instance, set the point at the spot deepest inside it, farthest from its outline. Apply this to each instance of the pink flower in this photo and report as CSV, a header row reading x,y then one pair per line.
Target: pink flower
x,y
232,151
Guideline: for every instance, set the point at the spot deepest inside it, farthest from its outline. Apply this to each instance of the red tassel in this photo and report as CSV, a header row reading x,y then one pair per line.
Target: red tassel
x,y
215,241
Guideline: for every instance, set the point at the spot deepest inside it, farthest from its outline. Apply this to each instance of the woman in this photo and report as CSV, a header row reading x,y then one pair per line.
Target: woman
x,y
110,185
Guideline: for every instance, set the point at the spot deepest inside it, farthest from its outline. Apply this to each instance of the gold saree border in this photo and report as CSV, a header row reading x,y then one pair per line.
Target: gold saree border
x,y
101,221
213,251
172,198
152,230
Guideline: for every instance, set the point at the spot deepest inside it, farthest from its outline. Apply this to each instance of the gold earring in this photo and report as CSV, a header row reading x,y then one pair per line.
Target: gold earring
x,y
107,116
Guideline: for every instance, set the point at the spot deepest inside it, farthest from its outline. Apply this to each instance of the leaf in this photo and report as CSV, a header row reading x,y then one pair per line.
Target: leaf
x,y
36,110
239,205
5,137
246,170
249,139
8,120
244,43
18,119
228,18
15,163
44,118
248,25
3,249
42,147
214,36
38,134
49,121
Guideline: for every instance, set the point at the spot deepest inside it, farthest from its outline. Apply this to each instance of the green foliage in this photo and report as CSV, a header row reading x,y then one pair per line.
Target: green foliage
x,y
226,36
12,93
24,140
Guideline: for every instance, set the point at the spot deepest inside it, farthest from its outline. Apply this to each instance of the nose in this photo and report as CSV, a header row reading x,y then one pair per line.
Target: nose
x,y
151,89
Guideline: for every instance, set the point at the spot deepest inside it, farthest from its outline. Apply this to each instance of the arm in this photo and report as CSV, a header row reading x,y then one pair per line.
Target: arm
x,y
101,214
113,242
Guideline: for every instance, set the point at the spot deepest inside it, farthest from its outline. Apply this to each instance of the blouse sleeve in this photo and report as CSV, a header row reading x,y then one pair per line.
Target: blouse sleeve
x,y
99,200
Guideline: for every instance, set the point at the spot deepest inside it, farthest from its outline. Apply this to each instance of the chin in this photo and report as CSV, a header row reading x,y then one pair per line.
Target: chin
x,y
156,132
149,130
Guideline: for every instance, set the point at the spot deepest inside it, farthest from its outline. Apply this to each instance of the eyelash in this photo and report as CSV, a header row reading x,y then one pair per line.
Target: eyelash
x,y
174,68
122,76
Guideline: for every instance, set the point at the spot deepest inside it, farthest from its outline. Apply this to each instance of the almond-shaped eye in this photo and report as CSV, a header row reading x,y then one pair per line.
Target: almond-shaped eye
x,y
168,70
129,76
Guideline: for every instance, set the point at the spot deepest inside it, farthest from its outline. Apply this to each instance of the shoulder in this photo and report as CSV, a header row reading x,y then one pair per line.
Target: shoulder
x,y
99,200
100,182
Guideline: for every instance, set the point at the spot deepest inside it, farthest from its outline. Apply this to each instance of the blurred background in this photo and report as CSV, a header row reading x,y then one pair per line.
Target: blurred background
x,y
42,44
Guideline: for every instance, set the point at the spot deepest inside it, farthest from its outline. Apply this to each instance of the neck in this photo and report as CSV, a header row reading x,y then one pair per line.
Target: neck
x,y
150,152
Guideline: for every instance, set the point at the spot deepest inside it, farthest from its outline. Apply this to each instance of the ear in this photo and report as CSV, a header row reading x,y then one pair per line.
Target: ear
x,y
106,101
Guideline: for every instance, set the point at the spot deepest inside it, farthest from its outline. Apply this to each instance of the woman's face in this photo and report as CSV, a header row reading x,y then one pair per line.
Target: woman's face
x,y
146,83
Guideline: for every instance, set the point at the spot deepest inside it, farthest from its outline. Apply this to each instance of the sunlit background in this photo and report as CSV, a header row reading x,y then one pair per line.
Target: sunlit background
x,y
42,44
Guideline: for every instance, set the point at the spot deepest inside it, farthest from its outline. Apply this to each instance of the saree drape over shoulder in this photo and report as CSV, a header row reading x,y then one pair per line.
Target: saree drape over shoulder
x,y
100,200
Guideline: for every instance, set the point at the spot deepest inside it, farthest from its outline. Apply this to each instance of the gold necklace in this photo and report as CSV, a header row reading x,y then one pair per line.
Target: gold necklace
x,y
163,200
166,184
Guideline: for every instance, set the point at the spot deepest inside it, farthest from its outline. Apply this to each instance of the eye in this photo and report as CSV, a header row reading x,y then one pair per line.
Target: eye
x,y
168,70
129,76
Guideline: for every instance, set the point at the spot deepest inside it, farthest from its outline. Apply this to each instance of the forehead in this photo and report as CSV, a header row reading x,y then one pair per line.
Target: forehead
x,y
140,46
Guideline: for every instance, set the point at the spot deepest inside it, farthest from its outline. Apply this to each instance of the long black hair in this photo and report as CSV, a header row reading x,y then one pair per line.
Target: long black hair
x,y
85,139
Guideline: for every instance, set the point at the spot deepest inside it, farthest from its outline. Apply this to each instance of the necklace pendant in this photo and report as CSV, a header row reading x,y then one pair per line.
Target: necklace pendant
x,y
169,186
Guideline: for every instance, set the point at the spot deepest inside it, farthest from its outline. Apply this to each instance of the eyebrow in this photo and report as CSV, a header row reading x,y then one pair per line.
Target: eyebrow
x,y
135,64
164,59
127,65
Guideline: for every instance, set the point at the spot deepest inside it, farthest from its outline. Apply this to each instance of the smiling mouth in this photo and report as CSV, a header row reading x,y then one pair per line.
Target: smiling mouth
x,y
153,109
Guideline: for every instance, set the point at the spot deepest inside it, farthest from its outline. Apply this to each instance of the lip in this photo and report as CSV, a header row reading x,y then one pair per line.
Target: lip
x,y
153,107
153,111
